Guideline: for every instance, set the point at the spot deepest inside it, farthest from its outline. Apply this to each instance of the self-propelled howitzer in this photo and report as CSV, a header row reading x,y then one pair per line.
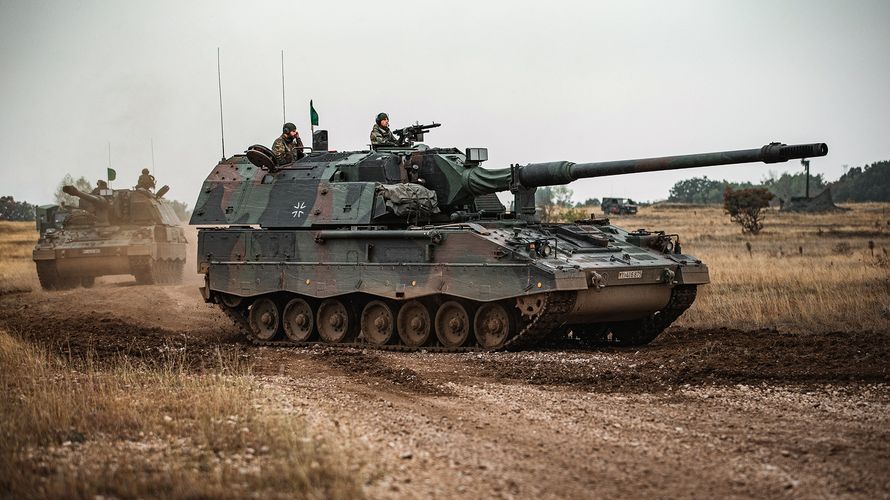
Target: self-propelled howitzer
x,y
109,232
409,248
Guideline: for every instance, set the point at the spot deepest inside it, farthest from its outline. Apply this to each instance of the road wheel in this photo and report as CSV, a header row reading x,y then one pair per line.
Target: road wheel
x,y
299,321
414,324
452,324
264,318
493,324
335,323
229,300
378,323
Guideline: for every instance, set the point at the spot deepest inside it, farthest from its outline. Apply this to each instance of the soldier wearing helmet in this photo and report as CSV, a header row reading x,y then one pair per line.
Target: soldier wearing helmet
x,y
288,147
380,133
146,180
100,186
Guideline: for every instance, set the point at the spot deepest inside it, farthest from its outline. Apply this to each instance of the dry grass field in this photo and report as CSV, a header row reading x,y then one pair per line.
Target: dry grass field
x,y
804,273
774,383
17,272
149,429
81,424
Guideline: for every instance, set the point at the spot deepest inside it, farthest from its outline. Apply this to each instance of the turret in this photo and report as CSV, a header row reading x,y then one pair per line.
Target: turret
x,y
127,206
353,188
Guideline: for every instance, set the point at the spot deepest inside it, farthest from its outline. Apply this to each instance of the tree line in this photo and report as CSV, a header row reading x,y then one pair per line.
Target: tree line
x,y
858,184
15,210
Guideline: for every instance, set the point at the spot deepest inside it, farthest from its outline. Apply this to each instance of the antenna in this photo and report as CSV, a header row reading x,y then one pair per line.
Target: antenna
x,y
153,155
109,162
283,109
222,130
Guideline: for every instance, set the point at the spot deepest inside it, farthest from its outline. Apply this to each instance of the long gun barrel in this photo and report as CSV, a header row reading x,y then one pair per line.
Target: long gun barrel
x,y
96,201
481,181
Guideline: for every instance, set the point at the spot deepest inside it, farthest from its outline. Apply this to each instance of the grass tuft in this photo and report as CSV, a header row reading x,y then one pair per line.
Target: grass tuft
x,y
69,428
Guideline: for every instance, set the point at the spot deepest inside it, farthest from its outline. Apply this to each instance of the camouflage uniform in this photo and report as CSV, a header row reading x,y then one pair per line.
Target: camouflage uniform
x,y
286,152
146,181
382,136
100,185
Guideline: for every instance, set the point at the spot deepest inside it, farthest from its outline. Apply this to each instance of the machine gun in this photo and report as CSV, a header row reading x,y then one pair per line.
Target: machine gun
x,y
413,133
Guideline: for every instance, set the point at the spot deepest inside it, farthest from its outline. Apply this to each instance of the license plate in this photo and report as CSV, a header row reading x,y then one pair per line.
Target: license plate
x,y
91,251
626,275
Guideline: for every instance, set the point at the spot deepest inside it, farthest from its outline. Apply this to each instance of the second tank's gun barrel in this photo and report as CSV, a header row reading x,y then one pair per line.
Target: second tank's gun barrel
x,y
96,201
545,174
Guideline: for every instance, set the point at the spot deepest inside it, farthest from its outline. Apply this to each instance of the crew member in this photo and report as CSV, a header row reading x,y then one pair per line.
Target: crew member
x,y
380,133
146,180
100,185
288,147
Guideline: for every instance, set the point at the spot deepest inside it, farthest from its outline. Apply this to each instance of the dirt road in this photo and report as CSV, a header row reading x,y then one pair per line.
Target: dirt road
x,y
697,413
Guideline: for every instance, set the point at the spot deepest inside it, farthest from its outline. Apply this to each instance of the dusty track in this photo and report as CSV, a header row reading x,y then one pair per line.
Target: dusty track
x,y
697,413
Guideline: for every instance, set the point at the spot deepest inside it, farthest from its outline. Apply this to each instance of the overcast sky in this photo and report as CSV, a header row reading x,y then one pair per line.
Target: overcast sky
x,y
532,81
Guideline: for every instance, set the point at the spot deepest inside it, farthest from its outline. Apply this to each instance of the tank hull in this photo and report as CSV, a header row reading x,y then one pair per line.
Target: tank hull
x,y
73,259
604,278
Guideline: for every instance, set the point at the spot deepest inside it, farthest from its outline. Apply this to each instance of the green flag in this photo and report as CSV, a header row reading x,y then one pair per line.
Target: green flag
x,y
112,175
313,115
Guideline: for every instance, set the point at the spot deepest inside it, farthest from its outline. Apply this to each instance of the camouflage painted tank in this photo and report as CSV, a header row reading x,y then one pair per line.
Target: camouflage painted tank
x,y
121,231
409,248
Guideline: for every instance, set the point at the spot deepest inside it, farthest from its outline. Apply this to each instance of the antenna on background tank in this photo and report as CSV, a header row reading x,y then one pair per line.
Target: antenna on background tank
x,y
109,160
222,130
283,108
153,169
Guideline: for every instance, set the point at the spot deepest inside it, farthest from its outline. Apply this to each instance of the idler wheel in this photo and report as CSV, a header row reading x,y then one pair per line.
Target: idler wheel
x,y
492,325
414,324
264,318
299,322
452,324
334,322
378,323
229,300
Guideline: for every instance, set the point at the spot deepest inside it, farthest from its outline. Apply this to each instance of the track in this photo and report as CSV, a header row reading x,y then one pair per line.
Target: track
x,y
532,334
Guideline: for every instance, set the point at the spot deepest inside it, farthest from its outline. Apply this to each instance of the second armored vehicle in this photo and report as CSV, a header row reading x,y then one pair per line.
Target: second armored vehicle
x,y
409,248
121,231
618,206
